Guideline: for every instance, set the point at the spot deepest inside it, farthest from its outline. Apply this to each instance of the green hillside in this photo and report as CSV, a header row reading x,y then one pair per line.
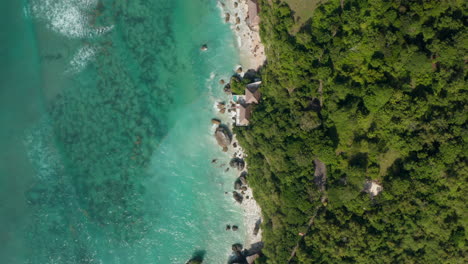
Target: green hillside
x,y
377,91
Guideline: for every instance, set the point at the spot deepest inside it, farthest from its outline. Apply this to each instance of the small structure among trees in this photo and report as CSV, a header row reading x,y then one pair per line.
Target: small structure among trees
x,y
244,103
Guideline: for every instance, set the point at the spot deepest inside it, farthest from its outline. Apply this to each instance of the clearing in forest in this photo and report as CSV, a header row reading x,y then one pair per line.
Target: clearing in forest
x,y
303,10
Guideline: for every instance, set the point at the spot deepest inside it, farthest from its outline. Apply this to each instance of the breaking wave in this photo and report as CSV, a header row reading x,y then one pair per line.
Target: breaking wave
x,y
42,151
70,18
81,58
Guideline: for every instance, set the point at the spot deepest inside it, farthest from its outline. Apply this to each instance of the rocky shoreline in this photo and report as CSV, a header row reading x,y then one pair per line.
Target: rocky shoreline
x,y
242,15
242,193
245,23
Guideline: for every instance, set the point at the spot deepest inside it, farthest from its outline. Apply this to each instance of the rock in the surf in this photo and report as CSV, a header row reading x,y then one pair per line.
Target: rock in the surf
x,y
237,163
222,137
237,196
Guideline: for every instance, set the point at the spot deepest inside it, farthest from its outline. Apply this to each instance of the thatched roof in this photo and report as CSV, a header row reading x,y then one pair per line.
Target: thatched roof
x,y
252,93
245,112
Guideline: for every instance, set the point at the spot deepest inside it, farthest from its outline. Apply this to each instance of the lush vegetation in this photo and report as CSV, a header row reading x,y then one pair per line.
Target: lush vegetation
x,y
390,78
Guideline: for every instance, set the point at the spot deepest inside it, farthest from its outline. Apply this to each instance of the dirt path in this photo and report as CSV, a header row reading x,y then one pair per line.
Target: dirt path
x,y
320,177
311,222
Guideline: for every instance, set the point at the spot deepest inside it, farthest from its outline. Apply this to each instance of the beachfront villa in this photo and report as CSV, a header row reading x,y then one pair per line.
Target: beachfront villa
x,y
244,103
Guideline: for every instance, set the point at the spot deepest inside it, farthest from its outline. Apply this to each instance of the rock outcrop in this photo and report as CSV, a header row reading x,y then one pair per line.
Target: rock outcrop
x,y
237,196
215,121
243,179
257,227
237,185
237,163
223,137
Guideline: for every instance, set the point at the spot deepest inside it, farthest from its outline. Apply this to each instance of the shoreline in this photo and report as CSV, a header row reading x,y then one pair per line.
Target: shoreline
x,y
245,27
252,56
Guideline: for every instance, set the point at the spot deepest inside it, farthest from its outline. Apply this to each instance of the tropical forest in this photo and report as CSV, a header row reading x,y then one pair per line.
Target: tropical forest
x,y
357,150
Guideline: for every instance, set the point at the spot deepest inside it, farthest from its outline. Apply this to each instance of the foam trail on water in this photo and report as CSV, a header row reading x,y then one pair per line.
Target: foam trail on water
x,y
81,59
41,150
68,17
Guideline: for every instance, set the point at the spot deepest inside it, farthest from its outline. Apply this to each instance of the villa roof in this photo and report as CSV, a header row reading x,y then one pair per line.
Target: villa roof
x,y
245,112
252,93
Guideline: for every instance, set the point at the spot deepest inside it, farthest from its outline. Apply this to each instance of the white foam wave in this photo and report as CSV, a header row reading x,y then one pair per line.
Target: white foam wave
x,y
41,150
81,59
68,17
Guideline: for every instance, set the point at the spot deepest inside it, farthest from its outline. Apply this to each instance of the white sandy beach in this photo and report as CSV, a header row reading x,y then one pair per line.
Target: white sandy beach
x,y
252,54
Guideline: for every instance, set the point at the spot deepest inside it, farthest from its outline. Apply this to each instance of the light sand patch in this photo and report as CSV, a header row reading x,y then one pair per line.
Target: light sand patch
x,y
252,51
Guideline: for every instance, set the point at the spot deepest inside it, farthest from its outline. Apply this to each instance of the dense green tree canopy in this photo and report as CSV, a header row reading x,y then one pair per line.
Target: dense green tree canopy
x,y
377,91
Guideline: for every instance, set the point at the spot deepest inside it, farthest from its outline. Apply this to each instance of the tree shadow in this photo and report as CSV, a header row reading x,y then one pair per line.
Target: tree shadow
x,y
359,160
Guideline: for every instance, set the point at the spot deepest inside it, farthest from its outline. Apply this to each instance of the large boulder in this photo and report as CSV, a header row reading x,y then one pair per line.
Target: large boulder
x,y
257,227
237,248
237,163
237,185
237,196
215,121
227,89
243,178
223,137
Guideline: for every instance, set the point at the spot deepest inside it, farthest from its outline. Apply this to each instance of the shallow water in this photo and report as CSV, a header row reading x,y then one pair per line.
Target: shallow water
x,y
106,142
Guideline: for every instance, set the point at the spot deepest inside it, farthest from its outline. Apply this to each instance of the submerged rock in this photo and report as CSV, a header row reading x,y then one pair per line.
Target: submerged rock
x,y
194,261
235,228
227,17
228,227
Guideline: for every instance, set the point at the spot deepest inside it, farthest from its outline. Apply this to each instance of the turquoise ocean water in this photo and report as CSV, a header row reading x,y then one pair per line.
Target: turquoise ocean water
x,y
105,135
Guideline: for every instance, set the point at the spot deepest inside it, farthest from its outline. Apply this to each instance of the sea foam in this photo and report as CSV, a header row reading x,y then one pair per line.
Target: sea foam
x,y
70,18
